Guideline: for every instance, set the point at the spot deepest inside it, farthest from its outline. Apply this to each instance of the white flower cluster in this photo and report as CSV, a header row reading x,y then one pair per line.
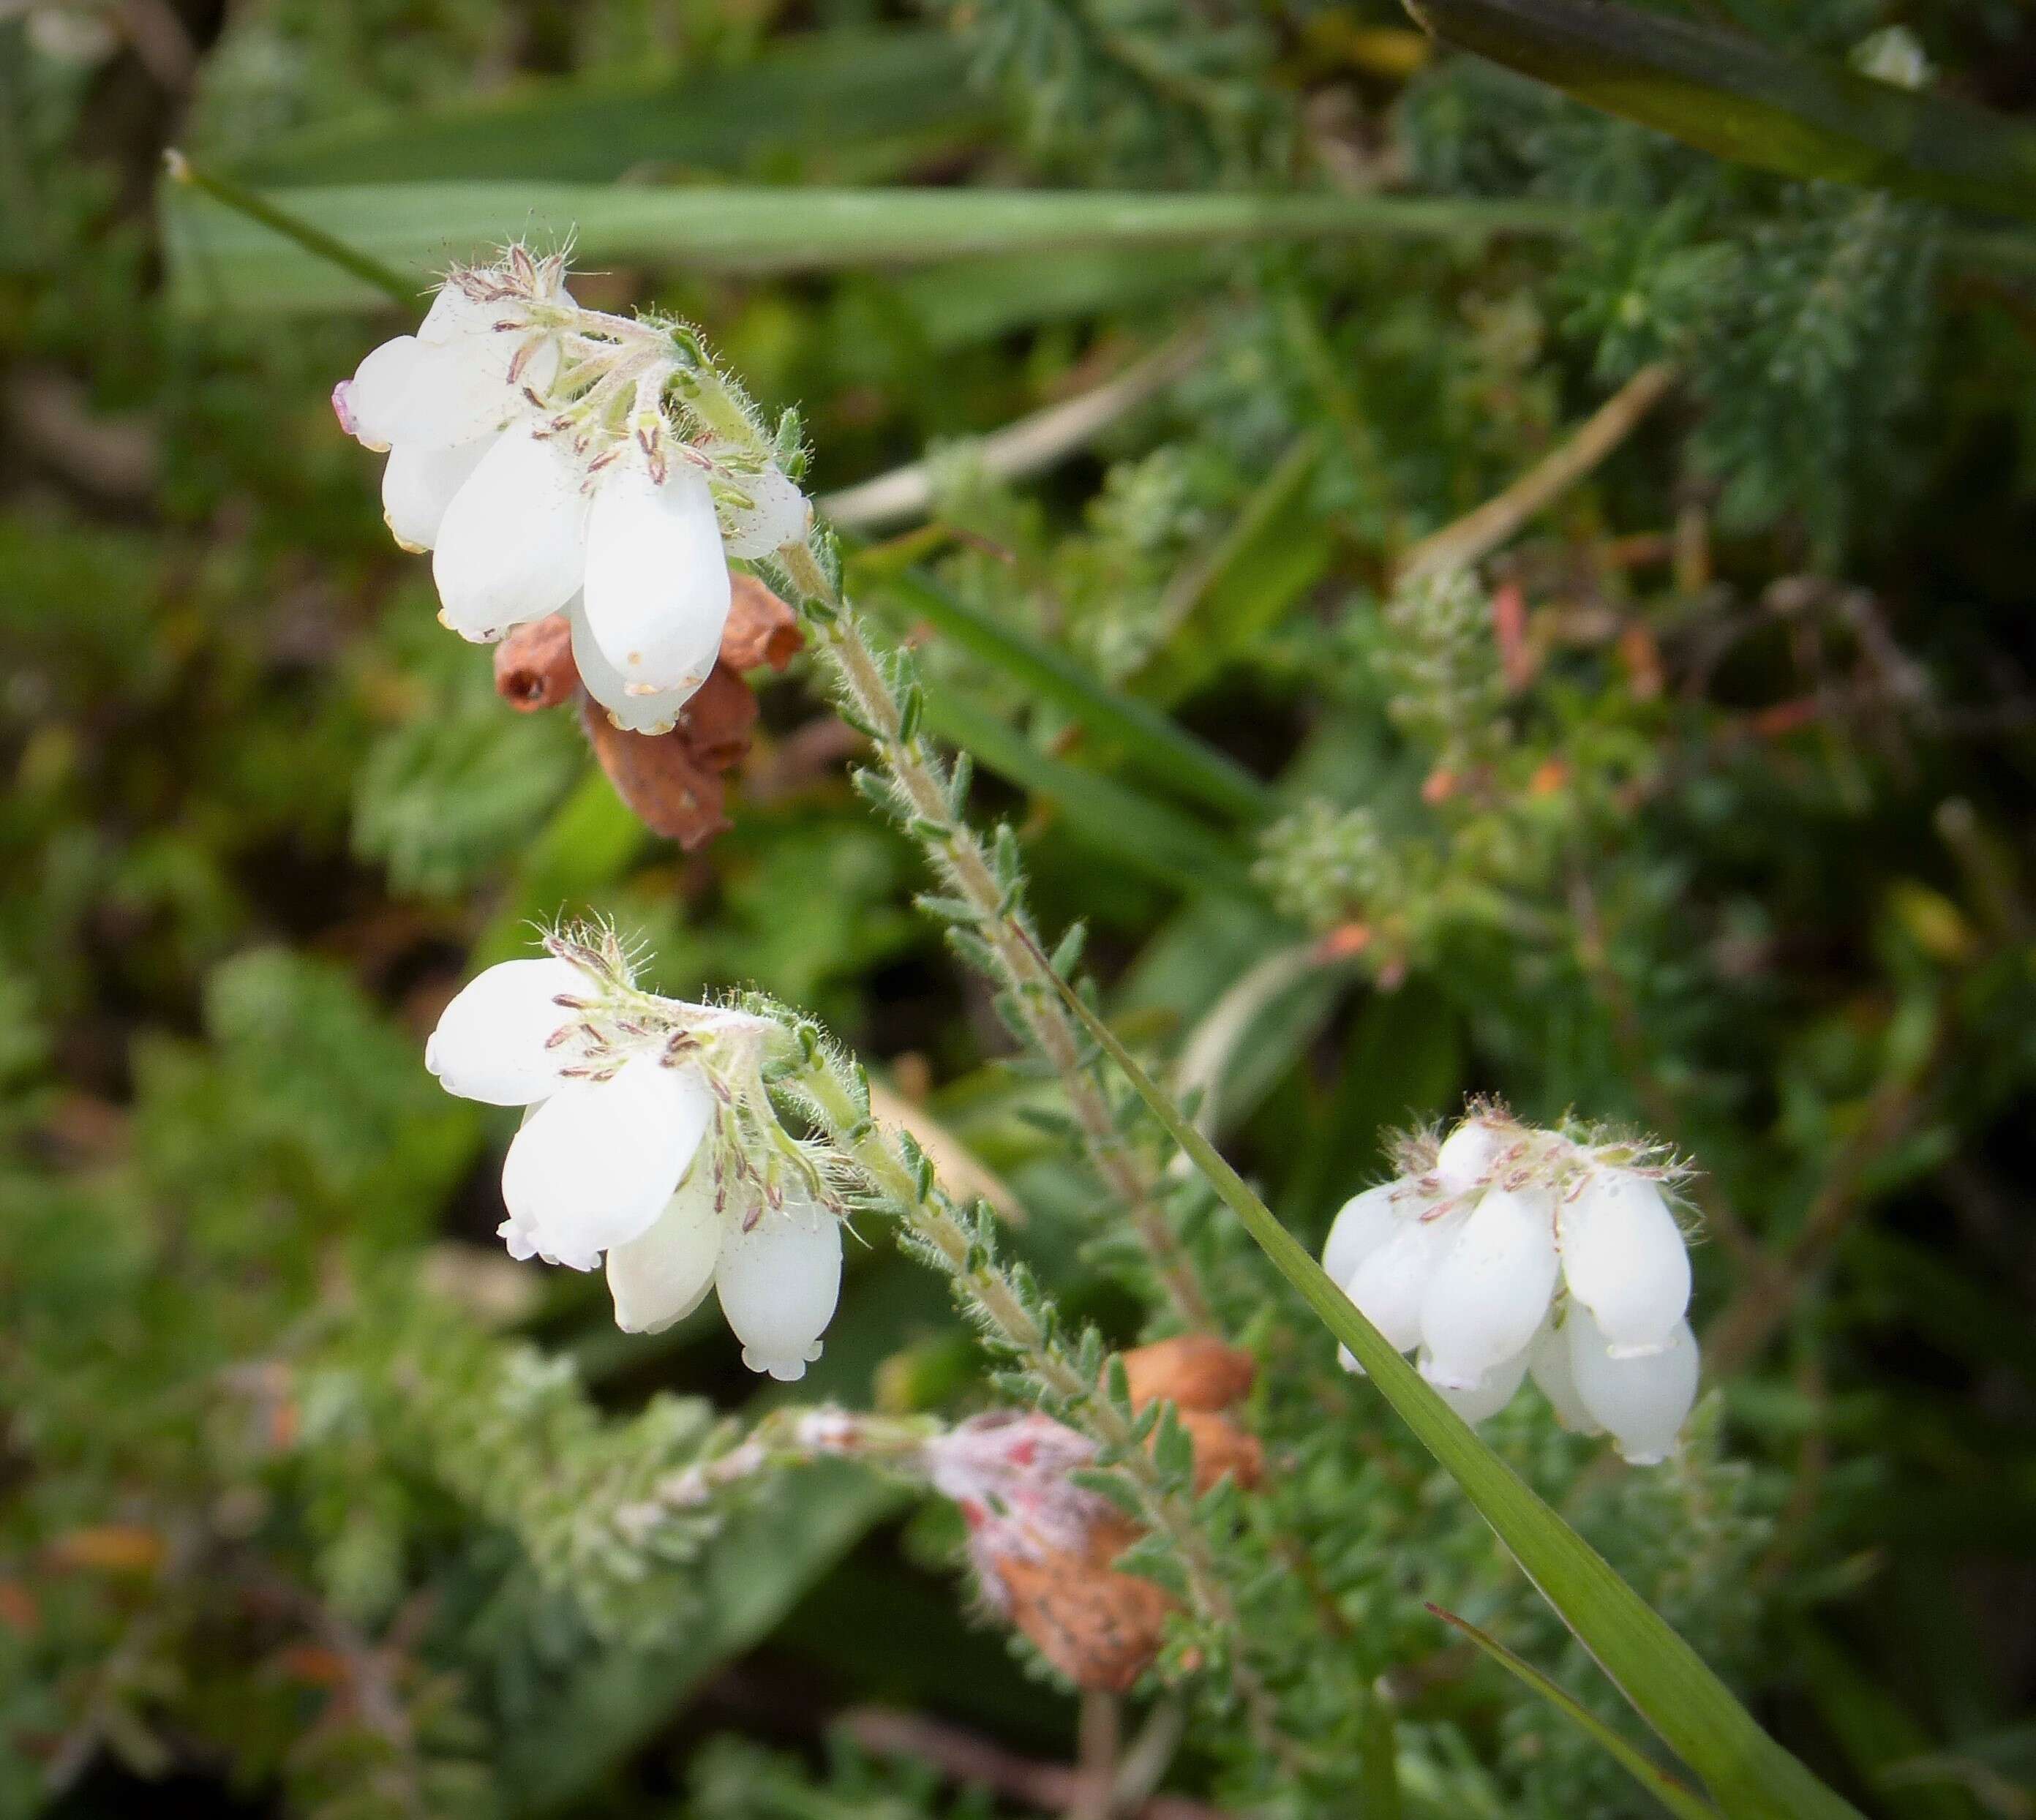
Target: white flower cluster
x,y
649,1137
543,453
1507,1249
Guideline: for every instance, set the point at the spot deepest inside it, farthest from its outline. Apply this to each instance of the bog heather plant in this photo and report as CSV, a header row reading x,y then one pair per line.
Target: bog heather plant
x,y
1368,595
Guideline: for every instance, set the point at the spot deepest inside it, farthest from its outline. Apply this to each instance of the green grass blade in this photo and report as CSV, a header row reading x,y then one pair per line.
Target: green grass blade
x,y
1672,1794
834,100
1161,749
326,252
221,257
1734,97
1749,1776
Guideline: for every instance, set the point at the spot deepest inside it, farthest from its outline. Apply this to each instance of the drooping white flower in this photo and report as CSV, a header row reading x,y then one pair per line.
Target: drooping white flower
x,y
647,1136
595,1164
1624,1258
1391,1285
775,516
776,1270
1490,1289
1479,1402
511,545
779,1279
657,588
496,1041
1642,1399
1363,1223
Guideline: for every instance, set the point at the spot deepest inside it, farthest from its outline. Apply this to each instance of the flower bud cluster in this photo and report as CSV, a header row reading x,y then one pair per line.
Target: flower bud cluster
x,y
1505,1249
648,1137
554,458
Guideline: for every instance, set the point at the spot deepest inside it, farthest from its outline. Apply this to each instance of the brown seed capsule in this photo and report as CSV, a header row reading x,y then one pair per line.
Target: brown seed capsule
x,y
1192,1371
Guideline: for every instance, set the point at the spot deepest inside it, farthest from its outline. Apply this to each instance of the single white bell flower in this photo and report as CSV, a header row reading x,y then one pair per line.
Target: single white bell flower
x,y
656,589
777,1271
512,545
1642,1400
1489,1291
776,514
608,1134
1625,1259
1480,1401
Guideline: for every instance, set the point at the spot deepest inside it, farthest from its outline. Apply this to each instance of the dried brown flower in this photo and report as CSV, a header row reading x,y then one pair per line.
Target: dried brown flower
x,y
672,780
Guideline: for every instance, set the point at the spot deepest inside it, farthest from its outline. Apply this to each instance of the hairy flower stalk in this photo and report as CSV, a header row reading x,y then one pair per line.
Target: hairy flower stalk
x,y
831,1091
928,800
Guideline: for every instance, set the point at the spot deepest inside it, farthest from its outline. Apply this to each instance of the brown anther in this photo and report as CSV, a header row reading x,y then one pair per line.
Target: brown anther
x,y
533,665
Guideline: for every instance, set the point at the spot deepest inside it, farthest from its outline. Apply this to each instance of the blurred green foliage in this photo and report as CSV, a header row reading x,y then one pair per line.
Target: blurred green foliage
x,y
1704,807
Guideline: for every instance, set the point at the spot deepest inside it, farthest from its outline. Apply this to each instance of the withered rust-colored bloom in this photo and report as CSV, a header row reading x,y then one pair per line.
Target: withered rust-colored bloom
x,y
1100,1628
533,665
1194,1371
1045,1548
672,780
761,628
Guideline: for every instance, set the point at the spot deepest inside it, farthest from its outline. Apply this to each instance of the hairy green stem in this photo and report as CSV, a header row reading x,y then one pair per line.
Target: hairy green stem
x,y
822,1084
958,850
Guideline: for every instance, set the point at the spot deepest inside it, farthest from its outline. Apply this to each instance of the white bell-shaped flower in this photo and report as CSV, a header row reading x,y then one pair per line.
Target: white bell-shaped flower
x,y
461,381
1624,1258
418,483
779,1282
657,713
1480,1401
775,516
1466,1156
662,1275
1489,1291
1643,1401
657,587
597,1162
494,1041
1548,1358
1391,1284
1363,1223
369,405
512,545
